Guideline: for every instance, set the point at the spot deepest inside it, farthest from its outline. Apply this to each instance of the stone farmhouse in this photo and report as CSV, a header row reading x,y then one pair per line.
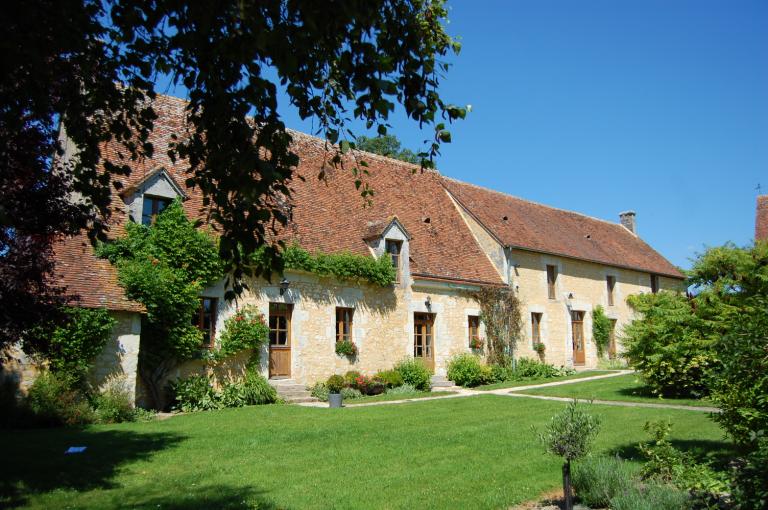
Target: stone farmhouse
x,y
445,237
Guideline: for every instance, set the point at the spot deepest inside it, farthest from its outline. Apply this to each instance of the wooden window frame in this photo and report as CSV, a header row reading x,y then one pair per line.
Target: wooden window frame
x,y
610,283
280,310
536,328
199,320
155,201
654,283
551,281
473,328
344,321
396,256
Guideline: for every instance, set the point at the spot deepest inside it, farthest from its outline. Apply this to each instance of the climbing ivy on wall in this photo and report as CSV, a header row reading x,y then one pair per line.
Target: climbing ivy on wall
x,y
343,265
500,311
601,330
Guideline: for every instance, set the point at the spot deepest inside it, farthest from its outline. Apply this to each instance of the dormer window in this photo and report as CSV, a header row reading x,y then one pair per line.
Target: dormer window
x,y
393,249
152,207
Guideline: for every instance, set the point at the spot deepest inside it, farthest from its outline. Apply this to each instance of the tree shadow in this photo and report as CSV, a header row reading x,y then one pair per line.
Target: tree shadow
x,y
719,453
34,460
220,497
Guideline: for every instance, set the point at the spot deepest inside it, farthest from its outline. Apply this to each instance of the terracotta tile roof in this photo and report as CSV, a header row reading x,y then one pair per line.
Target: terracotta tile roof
x,y
761,218
530,226
93,281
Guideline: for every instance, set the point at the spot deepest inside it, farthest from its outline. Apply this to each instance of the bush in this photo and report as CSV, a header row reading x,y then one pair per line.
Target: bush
x,y
252,390
651,497
599,479
319,391
403,389
54,402
195,393
601,330
350,377
245,330
671,344
750,483
467,370
114,402
369,385
501,373
534,369
390,378
335,384
415,373
350,393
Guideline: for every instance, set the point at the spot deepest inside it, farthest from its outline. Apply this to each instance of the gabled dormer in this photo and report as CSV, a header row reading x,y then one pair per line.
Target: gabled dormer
x,y
389,238
148,197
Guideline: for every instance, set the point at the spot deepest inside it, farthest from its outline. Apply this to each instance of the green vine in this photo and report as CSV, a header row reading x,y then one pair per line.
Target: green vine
x,y
500,311
601,330
343,265
245,330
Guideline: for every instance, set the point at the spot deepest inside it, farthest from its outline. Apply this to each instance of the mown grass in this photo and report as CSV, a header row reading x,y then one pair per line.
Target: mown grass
x,y
384,397
475,452
540,380
625,388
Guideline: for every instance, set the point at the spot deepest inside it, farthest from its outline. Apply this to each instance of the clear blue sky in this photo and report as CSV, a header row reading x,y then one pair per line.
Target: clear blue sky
x,y
602,106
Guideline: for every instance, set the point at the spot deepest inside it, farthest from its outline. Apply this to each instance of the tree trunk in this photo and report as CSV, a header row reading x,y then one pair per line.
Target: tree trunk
x,y
567,485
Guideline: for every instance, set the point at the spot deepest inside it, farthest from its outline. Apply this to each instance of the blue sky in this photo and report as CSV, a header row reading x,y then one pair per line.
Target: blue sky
x,y
602,106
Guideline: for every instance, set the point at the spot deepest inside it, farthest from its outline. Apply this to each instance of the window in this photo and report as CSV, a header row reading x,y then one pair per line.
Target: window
x,y
610,283
279,325
344,324
205,320
473,323
152,207
654,283
535,329
551,280
393,249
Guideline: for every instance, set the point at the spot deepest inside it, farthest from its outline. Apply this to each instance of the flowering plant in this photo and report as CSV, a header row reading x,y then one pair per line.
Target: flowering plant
x,y
368,385
476,344
346,348
539,347
246,329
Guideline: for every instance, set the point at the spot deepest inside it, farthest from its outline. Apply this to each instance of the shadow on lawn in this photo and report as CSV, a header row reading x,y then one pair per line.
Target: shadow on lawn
x,y
207,497
720,453
34,460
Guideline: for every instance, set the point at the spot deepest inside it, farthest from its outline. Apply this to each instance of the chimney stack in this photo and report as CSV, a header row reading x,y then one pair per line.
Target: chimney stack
x,y
627,218
761,218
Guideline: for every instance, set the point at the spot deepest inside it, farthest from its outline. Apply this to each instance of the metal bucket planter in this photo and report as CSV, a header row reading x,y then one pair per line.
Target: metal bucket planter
x,y
334,400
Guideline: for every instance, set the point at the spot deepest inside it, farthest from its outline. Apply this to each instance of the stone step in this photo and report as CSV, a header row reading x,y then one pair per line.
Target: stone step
x,y
289,387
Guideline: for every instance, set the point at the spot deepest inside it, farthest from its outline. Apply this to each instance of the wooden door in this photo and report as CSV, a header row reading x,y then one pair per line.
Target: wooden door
x,y
612,340
577,327
423,339
279,340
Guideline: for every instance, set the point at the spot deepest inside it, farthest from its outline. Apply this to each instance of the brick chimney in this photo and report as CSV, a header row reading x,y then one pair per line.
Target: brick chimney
x,y
761,218
627,218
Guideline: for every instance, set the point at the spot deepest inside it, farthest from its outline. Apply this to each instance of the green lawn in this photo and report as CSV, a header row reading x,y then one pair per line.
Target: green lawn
x,y
541,380
475,452
402,396
623,387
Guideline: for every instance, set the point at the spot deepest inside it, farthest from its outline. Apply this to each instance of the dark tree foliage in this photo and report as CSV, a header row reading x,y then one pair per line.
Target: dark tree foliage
x,y
386,145
93,65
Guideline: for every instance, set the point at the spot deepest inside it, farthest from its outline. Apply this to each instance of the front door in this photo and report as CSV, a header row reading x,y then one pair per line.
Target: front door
x,y
423,339
279,340
577,326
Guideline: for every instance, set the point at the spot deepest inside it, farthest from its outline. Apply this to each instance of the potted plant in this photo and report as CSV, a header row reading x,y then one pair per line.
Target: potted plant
x,y
539,347
346,348
334,384
476,344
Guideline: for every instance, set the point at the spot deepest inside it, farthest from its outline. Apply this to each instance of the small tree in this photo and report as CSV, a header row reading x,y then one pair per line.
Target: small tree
x,y
569,435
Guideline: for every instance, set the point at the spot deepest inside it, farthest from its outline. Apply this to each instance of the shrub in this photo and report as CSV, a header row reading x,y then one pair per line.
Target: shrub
x,y
71,349
599,479
534,369
750,482
319,391
335,384
415,373
601,330
350,377
346,348
467,370
403,389
671,344
195,393
54,402
390,378
500,373
252,390
368,385
350,393
651,497
114,401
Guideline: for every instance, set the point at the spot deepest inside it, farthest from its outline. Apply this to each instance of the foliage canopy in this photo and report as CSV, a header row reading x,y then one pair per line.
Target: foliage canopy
x,y
386,145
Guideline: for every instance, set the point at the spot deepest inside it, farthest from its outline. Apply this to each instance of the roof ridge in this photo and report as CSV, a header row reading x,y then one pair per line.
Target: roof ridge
x,y
507,195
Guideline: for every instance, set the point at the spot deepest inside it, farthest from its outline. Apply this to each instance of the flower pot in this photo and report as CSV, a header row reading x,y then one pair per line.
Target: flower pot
x,y
334,400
